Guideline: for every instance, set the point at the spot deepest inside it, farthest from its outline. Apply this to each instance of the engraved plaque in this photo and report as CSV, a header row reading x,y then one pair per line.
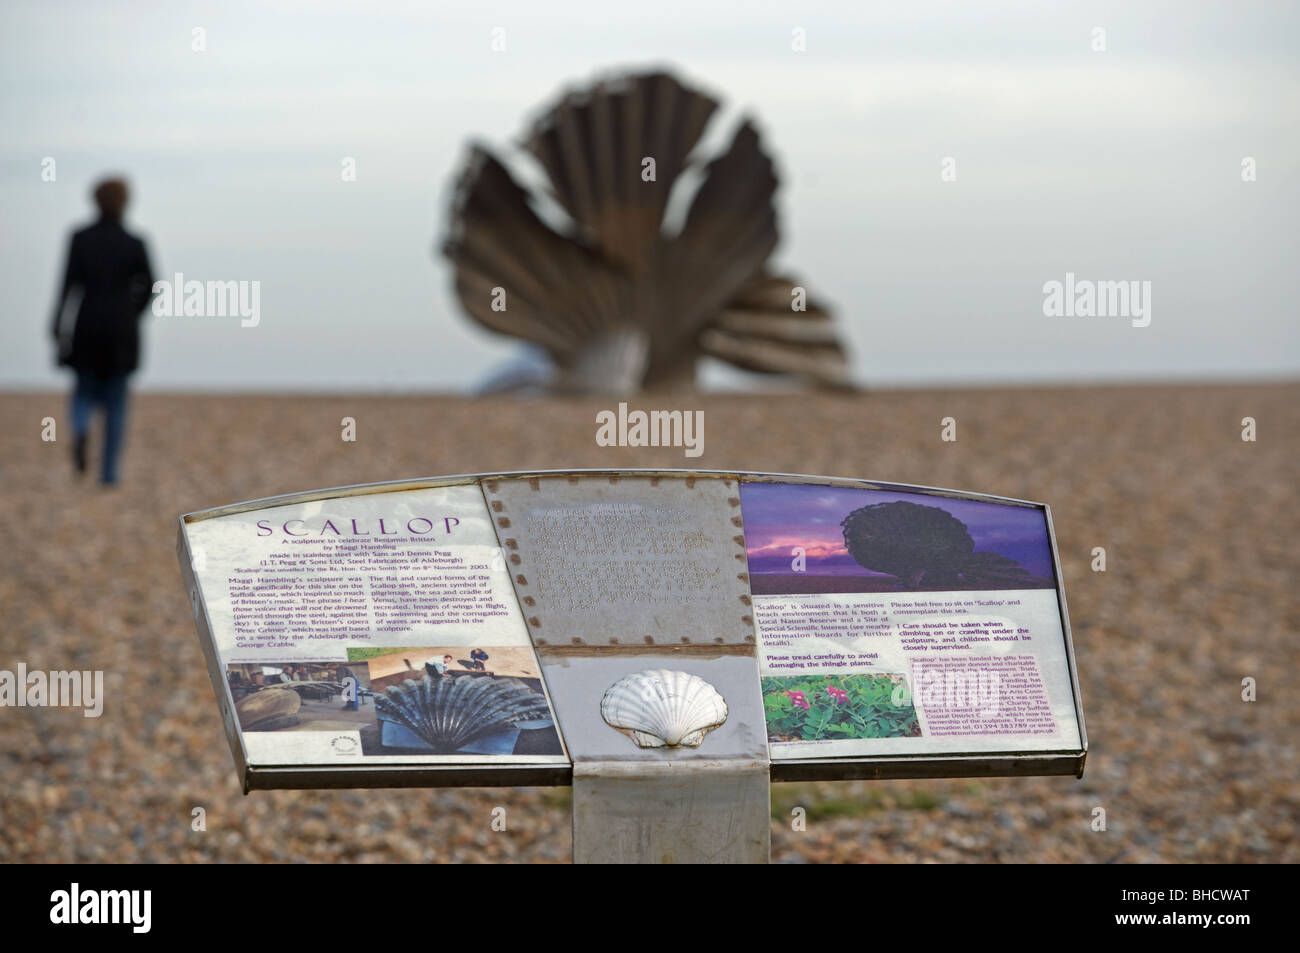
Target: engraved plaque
x,y
626,560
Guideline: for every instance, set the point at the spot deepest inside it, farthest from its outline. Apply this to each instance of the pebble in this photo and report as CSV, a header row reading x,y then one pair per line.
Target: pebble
x,y
1199,528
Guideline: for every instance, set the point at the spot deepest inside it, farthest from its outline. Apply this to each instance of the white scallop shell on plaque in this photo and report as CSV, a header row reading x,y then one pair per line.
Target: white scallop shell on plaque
x,y
659,708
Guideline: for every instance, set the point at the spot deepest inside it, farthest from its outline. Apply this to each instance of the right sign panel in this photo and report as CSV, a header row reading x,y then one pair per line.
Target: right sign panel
x,y
894,623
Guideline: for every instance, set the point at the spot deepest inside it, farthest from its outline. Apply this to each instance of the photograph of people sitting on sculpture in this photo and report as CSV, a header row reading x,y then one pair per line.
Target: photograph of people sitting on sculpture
x,y
515,661
438,700
806,539
304,696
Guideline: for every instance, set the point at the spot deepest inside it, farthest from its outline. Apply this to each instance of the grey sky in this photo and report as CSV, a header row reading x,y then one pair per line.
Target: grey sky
x,y
1115,165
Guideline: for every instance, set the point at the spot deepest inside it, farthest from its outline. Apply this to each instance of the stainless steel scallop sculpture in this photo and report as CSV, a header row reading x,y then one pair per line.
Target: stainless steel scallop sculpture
x,y
618,297
449,713
659,708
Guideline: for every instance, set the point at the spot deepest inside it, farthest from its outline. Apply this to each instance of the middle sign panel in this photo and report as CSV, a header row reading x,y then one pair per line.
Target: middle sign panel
x,y
626,560
620,575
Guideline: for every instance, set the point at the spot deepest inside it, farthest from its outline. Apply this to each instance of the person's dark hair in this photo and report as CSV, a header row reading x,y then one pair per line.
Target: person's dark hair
x,y
111,196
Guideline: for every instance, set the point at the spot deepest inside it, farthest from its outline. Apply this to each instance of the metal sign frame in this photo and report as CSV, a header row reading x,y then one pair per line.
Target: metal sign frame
x,y
360,775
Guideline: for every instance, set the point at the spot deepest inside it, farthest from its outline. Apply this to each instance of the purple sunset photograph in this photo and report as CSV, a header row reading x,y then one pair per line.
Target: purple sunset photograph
x,y
805,539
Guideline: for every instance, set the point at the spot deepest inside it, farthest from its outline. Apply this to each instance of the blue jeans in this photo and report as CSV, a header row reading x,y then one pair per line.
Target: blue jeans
x,y
108,391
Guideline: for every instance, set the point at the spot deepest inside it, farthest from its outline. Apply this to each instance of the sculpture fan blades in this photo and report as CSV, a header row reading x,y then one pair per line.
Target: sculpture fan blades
x,y
593,146
617,303
728,235
760,331
557,293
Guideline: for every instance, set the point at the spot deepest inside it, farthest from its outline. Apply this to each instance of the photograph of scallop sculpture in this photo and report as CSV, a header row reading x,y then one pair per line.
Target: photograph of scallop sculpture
x,y
458,700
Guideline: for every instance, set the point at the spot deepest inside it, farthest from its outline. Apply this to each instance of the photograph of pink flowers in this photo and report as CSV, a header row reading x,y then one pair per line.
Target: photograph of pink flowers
x,y
838,707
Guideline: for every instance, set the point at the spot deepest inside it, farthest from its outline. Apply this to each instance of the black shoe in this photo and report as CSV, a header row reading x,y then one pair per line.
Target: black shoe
x,y
79,453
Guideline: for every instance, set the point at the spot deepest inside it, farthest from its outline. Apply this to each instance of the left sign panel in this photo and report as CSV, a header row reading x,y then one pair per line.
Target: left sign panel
x,y
370,630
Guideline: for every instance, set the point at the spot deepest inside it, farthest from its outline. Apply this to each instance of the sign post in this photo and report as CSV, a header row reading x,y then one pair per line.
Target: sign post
x,y
667,642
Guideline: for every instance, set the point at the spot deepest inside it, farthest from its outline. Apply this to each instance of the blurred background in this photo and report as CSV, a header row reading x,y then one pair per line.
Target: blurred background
x,y
1119,164
1164,149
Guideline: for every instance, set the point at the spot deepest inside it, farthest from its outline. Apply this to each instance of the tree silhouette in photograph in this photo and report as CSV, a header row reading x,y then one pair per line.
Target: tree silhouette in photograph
x,y
925,547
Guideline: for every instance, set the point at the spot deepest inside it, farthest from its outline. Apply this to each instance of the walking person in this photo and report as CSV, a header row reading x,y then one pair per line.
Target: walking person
x,y
109,268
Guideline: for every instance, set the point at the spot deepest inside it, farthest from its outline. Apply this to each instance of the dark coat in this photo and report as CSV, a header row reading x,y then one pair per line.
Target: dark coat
x,y
111,269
